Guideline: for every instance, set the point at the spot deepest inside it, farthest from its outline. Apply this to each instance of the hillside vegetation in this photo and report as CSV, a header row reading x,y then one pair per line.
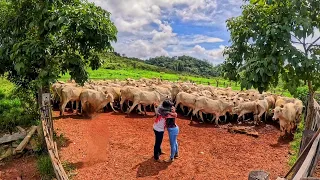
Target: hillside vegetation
x,y
186,64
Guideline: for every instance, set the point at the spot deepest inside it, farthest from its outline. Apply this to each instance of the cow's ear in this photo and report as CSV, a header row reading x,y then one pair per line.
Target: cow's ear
x,y
281,106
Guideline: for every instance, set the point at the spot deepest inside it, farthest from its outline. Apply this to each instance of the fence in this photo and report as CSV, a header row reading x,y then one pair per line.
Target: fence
x,y
47,126
307,161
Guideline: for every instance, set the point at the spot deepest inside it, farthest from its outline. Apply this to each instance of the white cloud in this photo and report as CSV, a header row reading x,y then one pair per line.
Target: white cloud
x,y
145,26
215,56
198,49
198,39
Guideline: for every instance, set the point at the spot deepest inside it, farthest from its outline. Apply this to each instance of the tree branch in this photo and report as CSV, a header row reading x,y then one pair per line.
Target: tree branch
x,y
295,42
296,38
312,44
305,47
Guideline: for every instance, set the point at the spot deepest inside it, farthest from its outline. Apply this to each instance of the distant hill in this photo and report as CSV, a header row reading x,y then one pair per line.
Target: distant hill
x,y
177,65
115,61
186,64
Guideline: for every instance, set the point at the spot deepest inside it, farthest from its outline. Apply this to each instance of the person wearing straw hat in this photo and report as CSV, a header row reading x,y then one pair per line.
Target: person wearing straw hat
x,y
159,125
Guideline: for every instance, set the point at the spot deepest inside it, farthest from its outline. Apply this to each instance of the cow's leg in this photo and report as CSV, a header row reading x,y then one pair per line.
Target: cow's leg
x,y
62,108
145,110
282,128
259,117
239,116
138,110
265,116
111,104
213,118
121,104
217,119
189,111
128,103
132,107
200,114
83,107
181,107
71,102
77,106
201,117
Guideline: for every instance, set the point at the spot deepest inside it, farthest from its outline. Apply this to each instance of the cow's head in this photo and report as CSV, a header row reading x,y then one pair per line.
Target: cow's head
x,y
277,112
109,97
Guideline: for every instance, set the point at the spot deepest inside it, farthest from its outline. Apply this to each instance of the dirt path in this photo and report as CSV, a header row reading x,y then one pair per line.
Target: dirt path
x,y
24,167
116,147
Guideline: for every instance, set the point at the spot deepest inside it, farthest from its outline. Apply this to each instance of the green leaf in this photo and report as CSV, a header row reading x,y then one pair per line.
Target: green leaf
x,y
18,67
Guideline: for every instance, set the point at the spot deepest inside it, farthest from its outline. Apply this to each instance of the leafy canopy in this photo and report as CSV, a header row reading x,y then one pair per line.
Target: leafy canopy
x,y
263,40
40,39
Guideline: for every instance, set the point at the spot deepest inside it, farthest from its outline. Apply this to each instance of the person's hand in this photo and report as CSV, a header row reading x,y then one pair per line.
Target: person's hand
x,y
173,109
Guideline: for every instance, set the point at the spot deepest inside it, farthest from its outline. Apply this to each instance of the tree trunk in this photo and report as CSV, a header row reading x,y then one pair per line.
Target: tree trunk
x,y
310,110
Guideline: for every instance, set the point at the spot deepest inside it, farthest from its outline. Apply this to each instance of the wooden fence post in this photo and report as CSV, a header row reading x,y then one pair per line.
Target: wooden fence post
x,y
306,137
315,161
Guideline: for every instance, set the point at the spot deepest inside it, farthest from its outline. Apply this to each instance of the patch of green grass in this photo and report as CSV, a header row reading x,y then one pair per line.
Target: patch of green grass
x,y
295,144
61,139
69,168
45,168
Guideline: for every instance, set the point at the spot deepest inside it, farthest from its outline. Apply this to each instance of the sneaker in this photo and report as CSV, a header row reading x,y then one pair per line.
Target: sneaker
x,y
176,157
162,153
169,160
158,160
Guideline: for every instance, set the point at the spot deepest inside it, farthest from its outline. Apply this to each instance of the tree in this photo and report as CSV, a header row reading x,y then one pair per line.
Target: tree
x,y
265,41
39,40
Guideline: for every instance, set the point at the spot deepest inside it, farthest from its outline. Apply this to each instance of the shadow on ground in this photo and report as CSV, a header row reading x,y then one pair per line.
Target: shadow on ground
x,y
150,168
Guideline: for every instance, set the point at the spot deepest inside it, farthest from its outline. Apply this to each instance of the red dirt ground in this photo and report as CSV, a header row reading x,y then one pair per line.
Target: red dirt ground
x,y
113,146
24,167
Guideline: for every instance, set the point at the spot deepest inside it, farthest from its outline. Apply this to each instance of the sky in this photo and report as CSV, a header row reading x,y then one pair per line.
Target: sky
x,y
150,28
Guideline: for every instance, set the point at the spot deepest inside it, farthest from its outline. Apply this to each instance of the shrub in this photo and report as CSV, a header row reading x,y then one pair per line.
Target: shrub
x,y
10,114
302,94
45,168
17,107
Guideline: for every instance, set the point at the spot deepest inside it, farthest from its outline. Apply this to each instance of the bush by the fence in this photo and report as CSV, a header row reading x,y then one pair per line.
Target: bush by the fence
x,y
17,107
45,168
302,94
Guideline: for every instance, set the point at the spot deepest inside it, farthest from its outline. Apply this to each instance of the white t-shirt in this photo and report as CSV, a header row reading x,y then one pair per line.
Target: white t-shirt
x,y
159,123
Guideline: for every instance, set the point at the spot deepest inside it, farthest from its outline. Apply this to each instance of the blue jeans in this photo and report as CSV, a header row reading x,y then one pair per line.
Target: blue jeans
x,y
173,133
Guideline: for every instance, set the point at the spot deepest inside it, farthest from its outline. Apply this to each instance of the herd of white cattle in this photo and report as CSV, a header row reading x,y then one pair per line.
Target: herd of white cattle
x,y
198,99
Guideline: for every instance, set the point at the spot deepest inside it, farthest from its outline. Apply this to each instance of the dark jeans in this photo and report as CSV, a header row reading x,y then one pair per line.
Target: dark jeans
x,y
157,146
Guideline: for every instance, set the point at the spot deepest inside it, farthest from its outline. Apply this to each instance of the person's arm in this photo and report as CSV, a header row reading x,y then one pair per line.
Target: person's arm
x,y
174,114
